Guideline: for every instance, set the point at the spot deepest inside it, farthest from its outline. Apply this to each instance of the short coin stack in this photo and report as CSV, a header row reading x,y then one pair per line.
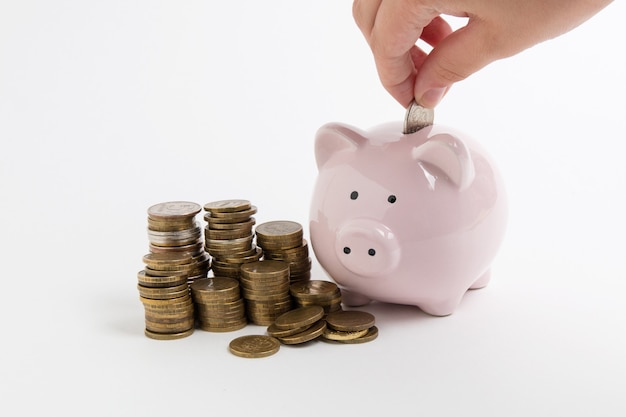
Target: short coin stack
x,y
350,326
299,325
282,240
325,294
228,235
218,304
265,288
168,307
172,228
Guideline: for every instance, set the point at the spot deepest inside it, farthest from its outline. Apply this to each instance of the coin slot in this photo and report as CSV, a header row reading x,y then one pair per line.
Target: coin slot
x,y
354,195
391,199
347,250
371,252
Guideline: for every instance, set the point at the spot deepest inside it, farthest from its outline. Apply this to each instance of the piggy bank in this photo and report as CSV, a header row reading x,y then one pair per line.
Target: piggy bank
x,y
412,219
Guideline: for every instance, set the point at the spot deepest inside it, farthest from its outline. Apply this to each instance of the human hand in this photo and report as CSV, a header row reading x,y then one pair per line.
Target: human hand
x,y
495,29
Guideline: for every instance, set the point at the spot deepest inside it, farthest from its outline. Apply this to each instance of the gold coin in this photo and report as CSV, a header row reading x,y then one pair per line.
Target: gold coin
x,y
277,228
216,286
350,320
299,317
167,281
372,333
167,258
264,269
309,334
274,331
332,334
237,326
317,290
168,336
254,346
227,206
242,215
239,225
174,209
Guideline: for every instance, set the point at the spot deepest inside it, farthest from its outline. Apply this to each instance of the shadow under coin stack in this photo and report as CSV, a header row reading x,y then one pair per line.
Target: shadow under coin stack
x,y
282,240
228,236
172,228
321,293
219,306
265,288
164,293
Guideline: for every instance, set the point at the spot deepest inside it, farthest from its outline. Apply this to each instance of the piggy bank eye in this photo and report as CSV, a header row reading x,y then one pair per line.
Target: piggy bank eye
x,y
391,199
354,195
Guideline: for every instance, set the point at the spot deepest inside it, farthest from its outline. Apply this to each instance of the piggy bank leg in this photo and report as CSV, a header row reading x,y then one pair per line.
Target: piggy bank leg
x,y
482,281
443,307
353,299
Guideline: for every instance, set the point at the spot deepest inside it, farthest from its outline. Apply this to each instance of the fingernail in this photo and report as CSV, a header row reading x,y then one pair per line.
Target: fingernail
x,y
432,97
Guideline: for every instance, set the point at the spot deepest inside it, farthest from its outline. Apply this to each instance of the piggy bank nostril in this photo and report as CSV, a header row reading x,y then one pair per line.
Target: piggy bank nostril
x,y
346,250
371,252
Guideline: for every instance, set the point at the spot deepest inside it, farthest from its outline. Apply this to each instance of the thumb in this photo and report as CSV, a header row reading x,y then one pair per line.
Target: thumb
x,y
455,58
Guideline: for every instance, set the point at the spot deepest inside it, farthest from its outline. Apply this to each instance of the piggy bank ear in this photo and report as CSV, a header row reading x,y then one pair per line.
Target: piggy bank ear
x,y
450,155
336,137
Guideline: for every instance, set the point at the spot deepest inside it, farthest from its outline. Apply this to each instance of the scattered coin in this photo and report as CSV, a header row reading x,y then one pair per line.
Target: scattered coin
x,y
350,321
332,334
317,292
254,346
417,117
307,335
299,317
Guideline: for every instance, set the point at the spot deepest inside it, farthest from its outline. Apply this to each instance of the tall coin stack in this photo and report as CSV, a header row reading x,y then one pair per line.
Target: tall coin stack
x,y
282,240
228,236
265,288
172,228
219,306
164,293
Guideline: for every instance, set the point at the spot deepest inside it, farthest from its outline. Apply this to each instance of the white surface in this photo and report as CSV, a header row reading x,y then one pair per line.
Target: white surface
x,y
109,107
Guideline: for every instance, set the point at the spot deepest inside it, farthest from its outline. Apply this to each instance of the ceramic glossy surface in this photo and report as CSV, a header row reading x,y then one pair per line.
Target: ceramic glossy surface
x,y
408,219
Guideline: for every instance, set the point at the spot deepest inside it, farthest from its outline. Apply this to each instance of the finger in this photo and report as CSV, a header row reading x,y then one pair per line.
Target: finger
x,y
455,58
397,27
436,31
364,14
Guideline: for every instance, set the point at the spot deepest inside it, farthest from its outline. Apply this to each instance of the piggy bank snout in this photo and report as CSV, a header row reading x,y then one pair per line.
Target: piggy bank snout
x,y
367,247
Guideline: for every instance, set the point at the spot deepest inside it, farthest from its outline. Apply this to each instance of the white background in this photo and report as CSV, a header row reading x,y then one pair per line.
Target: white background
x,y
109,107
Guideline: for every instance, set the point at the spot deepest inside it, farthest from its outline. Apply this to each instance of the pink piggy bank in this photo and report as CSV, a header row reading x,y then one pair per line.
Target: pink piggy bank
x,y
411,219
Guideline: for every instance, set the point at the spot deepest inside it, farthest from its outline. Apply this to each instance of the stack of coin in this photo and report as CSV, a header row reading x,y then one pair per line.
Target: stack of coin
x,y
228,236
299,325
325,294
172,228
265,288
351,326
282,240
218,304
168,306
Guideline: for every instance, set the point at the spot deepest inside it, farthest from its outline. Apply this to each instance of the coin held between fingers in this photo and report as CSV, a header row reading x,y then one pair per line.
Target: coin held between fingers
x,y
417,117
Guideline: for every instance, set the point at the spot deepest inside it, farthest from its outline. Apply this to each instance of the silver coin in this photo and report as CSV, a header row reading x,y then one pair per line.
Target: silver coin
x,y
417,117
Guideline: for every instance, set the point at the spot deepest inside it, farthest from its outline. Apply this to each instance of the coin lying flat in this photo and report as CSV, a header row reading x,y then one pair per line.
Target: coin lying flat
x,y
299,317
307,335
254,346
372,333
227,206
417,117
332,334
174,209
350,321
